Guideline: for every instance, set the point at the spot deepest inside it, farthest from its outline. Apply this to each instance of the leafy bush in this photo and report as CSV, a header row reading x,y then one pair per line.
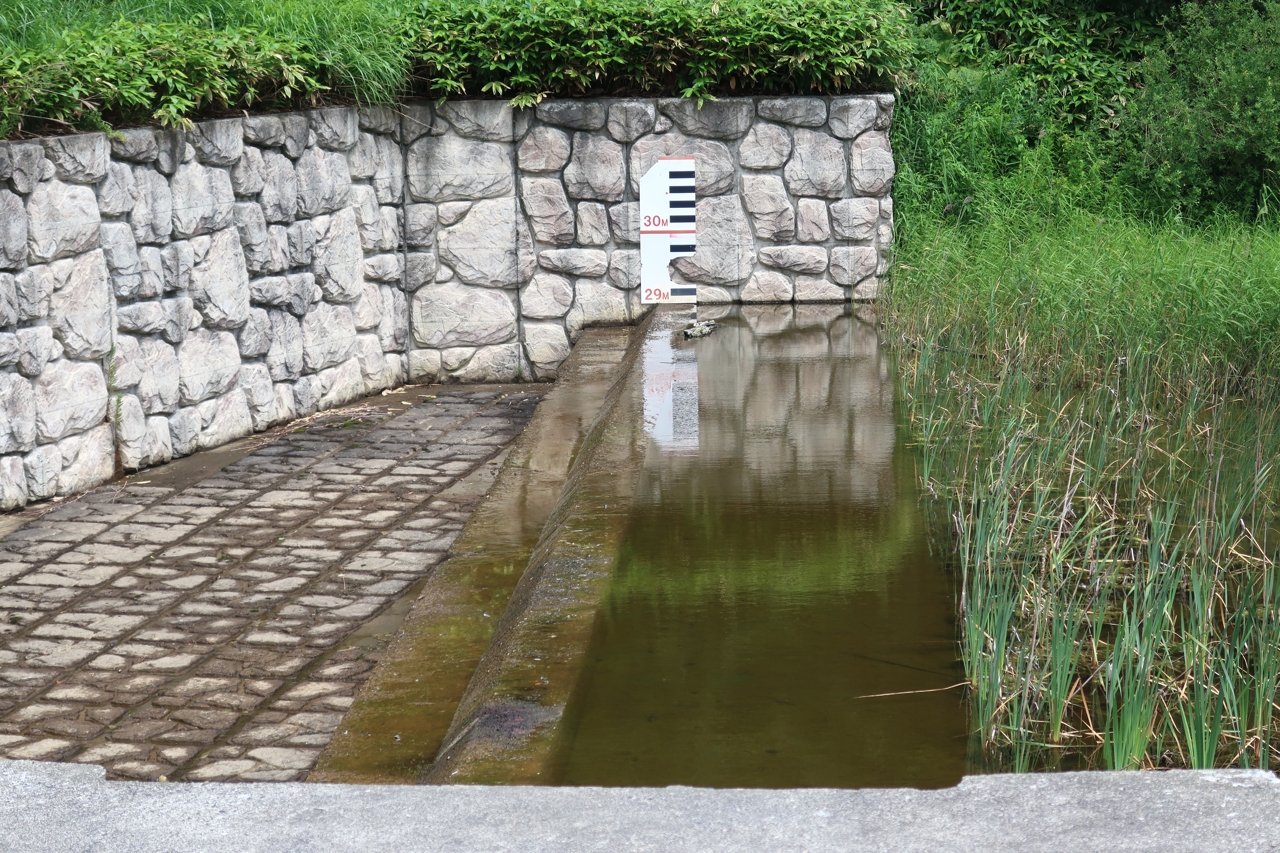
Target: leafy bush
x,y
64,64
693,48
1204,134
973,143
1081,55
1179,118
958,130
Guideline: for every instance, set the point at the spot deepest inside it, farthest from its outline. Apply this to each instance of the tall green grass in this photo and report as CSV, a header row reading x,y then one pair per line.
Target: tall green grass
x,y
360,48
1095,400
1113,528
1076,289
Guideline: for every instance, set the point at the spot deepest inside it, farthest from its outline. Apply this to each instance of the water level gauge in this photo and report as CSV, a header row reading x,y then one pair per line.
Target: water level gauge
x,y
668,228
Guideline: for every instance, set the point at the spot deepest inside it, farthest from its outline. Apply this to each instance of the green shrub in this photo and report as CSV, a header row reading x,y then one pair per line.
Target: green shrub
x,y
693,48
1193,129
67,64
957,130
1204,134
971,143
1080,55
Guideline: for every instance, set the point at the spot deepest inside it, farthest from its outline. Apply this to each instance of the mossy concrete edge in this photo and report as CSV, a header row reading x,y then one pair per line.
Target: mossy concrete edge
x,y
399,718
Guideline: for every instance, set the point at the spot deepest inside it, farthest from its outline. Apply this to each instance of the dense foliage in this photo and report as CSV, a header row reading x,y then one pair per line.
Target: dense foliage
x,y
692,49
1080,54
1175,107
1085,308
1206,130
67,63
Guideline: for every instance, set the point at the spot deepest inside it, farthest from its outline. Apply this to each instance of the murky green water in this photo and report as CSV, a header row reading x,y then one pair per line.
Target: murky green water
x,y
774,578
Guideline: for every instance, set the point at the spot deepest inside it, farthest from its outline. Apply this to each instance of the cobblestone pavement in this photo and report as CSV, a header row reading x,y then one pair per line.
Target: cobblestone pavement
x,y
212,631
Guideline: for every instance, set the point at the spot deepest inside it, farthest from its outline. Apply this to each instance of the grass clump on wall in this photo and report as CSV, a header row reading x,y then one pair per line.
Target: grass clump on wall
x,y
160,73
69,64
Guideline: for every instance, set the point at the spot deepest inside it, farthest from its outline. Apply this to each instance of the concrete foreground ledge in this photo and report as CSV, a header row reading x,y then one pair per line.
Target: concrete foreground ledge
x,y
64,807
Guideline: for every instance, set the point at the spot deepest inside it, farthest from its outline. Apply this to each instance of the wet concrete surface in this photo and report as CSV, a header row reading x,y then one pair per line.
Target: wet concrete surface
x,y
506,725
211,619
398,721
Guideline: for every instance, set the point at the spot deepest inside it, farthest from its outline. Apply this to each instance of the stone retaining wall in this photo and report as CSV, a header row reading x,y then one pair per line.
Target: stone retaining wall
x,y
165,291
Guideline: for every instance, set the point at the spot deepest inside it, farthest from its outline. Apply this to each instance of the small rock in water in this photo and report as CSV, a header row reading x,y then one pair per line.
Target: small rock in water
x,y
700,328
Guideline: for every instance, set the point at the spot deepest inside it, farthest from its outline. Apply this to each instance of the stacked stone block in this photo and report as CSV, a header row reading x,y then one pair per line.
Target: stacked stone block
x,y
55,312
530,219
470,247
166,291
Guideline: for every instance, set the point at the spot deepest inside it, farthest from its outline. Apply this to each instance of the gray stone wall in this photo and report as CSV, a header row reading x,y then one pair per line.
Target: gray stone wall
x,y
165,291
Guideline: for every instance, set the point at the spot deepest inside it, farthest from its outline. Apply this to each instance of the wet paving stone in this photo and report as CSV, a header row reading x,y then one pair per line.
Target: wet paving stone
x,y
199,632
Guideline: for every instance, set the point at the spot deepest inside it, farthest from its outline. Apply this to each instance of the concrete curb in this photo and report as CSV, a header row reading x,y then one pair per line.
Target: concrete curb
x,y
61,807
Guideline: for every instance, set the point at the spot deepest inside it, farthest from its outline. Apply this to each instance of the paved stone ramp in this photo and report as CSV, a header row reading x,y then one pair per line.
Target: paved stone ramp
x,y
53,808
213,630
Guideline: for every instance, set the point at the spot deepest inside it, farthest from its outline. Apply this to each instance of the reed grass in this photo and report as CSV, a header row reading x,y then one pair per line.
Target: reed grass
x,y
1096,405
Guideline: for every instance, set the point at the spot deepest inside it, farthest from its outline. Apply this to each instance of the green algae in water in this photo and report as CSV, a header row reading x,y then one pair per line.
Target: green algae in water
x,y
774,579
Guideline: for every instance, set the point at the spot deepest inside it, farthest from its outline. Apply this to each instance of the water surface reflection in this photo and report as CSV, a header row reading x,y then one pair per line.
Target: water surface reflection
x,y
774,576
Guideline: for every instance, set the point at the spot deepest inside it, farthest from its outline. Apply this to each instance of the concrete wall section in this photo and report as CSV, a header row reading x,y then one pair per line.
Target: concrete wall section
x,y
165,291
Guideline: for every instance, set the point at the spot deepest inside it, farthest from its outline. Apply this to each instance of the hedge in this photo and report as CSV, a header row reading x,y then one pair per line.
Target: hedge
x,y
118,71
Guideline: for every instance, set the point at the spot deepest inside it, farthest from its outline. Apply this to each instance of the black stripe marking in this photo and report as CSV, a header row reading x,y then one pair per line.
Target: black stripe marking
x,y
684,291
684,204
682,189
683,248
675,175
675,219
